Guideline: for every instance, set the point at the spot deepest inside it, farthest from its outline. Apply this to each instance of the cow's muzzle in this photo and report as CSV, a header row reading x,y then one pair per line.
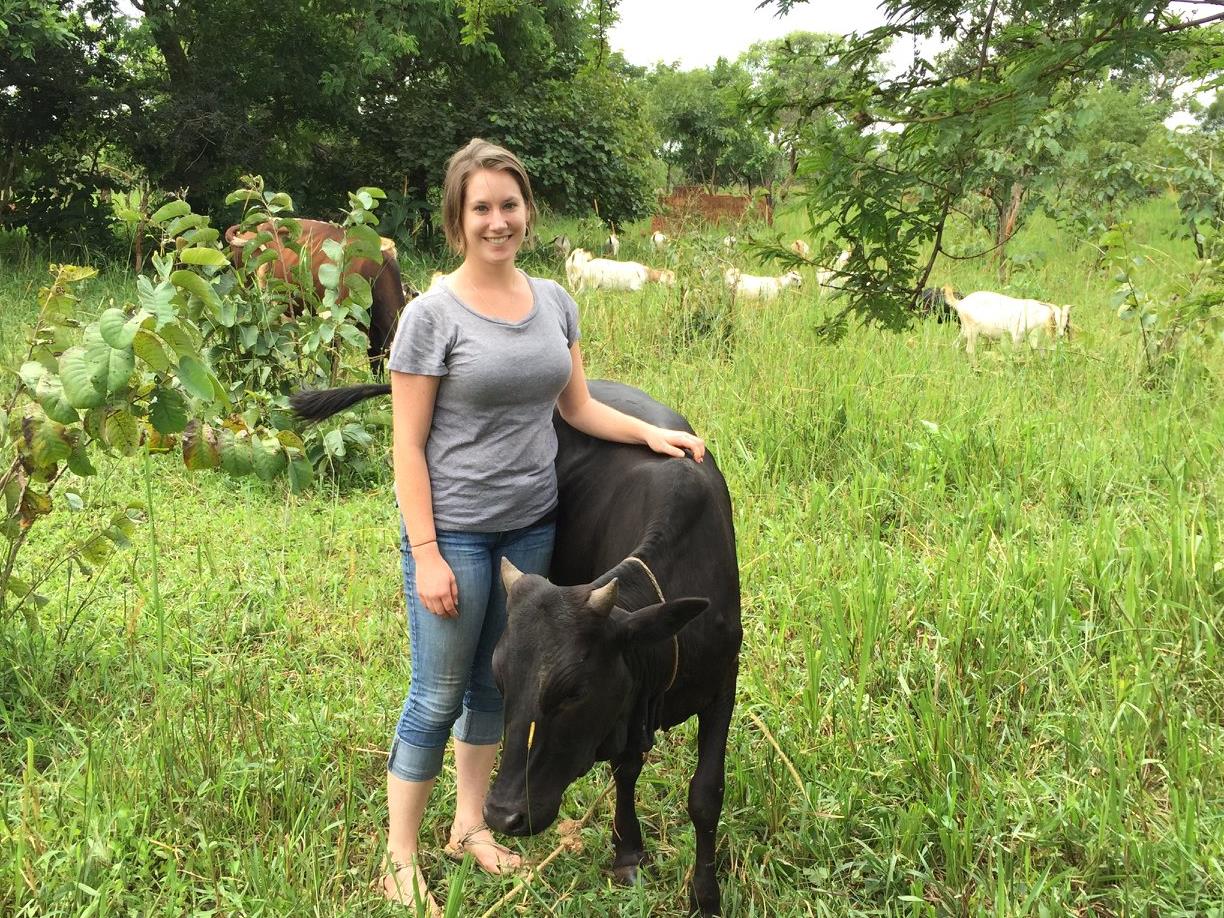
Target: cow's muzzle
x,y
513,819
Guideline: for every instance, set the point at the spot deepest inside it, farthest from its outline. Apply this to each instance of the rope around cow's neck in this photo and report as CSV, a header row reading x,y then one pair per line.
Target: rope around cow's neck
x,y
675,638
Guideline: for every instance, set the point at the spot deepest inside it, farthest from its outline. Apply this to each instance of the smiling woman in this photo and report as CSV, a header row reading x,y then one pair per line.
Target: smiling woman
x,y
477,366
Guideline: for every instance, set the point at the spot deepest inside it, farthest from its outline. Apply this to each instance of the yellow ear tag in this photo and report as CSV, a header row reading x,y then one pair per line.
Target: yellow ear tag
x,y
530,735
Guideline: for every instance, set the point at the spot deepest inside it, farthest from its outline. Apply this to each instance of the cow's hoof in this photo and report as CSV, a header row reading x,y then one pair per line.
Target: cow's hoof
x,y
629,875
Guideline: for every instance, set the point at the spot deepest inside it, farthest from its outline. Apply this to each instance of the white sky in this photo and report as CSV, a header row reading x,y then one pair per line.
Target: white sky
x,y
696,33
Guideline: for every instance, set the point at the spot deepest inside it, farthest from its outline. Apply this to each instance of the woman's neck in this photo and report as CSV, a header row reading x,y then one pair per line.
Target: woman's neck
x,y
488,276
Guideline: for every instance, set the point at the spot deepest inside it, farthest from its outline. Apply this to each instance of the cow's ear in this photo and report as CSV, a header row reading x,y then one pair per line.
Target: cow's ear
x,y
603,599
655,623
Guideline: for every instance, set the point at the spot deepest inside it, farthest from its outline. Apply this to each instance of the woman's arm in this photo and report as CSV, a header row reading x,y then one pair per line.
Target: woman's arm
x,y
412,405
599,420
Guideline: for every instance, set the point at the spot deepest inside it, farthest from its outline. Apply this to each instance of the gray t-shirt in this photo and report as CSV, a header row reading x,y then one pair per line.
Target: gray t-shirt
x,y
491,444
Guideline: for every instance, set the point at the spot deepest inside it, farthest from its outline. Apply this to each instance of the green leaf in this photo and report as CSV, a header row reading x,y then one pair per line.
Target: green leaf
x,y
205,235
23,591
168,412
227,314
77,380
200,447
301,475
290,440
333,249
121,432
157,301
329,275
236,456
94,419
199,255
268,457
180,339
50,395
148,348
185,222
242,196
333,444
364,242
359,290
96,549
49,441
31,372
109,368
117,330
195,378
196,285
170,211
78,461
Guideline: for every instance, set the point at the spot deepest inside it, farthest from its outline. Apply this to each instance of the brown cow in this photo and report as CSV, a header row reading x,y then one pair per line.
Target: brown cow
x,y
386,285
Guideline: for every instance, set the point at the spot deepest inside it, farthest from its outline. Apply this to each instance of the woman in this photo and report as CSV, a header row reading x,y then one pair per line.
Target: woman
x,y
477,366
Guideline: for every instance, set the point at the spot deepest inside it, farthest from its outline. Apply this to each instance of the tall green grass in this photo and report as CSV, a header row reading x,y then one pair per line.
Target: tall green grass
x,y
981,672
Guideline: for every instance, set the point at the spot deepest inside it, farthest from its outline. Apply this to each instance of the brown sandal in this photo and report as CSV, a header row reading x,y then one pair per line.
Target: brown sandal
x,y
457,849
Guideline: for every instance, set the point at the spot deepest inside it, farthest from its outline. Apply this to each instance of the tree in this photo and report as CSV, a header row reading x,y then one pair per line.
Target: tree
x,y
787,75
62,93
888,194
703,126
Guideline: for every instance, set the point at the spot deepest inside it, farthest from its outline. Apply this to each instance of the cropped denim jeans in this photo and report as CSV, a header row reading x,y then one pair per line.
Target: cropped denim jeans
x,y
451,687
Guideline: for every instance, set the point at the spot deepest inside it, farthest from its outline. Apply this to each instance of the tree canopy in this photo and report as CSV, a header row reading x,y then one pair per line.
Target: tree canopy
x,y
911,148
194,95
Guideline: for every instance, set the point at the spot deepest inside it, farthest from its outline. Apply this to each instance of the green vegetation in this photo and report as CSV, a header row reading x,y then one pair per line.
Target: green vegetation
x,y
983,605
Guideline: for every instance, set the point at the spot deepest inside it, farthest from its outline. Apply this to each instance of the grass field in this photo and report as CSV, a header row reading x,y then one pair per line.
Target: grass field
x,y
983,612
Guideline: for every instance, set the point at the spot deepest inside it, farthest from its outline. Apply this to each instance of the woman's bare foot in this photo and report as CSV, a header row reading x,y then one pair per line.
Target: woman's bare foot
x,y
478,841
405,884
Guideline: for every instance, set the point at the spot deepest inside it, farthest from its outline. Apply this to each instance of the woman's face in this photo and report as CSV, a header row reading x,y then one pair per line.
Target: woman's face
x,y
494,216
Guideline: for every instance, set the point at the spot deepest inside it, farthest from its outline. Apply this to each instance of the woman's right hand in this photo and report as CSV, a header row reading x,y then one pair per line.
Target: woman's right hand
x,y
435,581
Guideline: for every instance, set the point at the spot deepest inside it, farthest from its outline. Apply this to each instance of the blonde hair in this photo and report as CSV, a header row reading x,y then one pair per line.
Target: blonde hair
x,y
478,154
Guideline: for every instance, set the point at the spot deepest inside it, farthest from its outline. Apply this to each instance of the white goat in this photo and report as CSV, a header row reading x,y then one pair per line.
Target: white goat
x,y
612,246
606,274
728,242
751,287
659,241
801,248
995,315
825,275
575,262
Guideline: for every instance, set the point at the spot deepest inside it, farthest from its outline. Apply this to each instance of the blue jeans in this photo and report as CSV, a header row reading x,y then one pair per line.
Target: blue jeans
x,y
452,686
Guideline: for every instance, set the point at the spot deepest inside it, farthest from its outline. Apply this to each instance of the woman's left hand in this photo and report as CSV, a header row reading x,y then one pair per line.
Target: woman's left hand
x,y
675,442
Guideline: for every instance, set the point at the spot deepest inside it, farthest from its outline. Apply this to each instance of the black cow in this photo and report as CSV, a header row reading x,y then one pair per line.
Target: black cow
x,y
590,672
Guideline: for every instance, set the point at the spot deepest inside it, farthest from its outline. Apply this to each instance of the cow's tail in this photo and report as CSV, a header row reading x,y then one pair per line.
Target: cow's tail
x,y
317,404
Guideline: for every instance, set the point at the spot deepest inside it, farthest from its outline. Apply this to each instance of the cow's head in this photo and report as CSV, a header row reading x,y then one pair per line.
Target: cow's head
x,y
561,666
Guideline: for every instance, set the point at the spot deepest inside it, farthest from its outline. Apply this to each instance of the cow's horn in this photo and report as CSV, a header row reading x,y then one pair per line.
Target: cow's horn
x,y
603,599
509,574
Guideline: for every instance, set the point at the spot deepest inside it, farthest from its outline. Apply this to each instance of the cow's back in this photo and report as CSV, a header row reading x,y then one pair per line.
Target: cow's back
x,y
619,499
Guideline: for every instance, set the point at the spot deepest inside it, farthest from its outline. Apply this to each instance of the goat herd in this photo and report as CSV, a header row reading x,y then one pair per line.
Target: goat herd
x,y
983,314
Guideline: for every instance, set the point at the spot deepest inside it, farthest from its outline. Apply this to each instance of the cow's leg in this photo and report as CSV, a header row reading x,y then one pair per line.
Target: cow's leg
x,y
626,830
706,797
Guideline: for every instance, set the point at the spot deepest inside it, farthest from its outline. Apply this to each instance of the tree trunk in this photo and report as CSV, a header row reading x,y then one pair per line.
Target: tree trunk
x,y
1006,228
160,16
